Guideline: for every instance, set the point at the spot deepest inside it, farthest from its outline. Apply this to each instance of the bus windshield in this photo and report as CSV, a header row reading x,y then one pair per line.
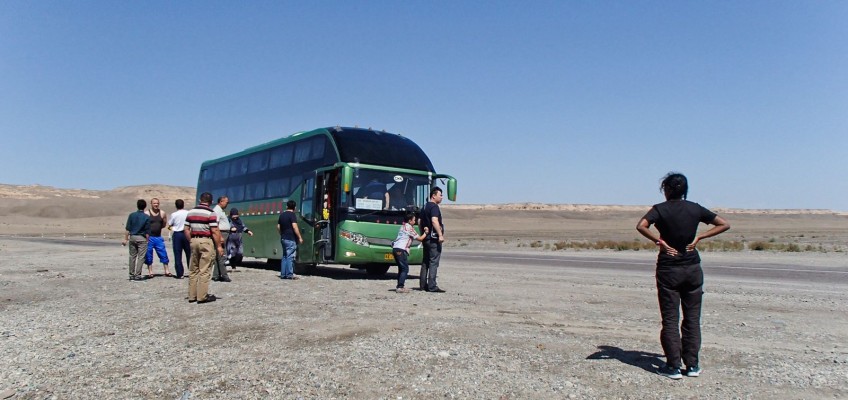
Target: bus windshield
x,y
376,191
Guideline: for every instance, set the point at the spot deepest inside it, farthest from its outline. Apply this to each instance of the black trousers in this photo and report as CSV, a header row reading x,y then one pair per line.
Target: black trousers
x,y
430,265
680,287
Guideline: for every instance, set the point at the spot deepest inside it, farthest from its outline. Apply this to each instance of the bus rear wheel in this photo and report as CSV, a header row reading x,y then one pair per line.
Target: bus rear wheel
x,y
376,270
305,269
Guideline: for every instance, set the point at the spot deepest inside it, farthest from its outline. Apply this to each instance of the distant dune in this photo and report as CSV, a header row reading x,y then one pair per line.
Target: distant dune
x,y
592,208
47,201
36,192
45,210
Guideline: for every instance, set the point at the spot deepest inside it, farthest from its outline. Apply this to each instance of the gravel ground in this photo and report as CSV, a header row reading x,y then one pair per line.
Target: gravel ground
x,y
73,327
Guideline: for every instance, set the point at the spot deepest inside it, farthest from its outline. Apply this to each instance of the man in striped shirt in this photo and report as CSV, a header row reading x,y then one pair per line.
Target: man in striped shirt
x,y
206,245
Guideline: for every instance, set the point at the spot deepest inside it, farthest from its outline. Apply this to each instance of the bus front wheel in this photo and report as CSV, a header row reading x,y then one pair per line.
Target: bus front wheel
x,y
376,270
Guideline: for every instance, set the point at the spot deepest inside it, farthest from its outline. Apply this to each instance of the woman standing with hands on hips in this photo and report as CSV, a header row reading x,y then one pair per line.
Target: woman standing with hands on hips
x,y
680,279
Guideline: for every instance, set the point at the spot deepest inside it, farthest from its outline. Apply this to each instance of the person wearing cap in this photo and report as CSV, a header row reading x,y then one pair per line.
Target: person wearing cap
x,y
235,247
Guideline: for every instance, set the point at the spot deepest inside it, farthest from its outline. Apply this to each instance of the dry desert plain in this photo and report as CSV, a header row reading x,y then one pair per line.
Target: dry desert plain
x,y
530,312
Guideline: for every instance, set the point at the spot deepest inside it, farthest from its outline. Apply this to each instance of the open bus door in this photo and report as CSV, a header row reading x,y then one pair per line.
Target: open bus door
x,y
306,224
325,191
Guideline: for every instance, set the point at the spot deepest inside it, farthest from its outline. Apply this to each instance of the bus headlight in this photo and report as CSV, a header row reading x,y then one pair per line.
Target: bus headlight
x,y
354,237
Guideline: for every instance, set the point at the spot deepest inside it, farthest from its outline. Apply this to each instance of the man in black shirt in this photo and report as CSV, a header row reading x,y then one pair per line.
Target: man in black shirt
x,y
431,218
158,219
289,239
679,276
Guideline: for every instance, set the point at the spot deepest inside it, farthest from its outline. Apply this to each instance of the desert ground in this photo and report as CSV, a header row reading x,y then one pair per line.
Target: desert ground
x,y
520,320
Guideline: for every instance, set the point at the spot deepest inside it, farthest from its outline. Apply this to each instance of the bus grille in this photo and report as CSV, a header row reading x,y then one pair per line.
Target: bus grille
x,y
380,241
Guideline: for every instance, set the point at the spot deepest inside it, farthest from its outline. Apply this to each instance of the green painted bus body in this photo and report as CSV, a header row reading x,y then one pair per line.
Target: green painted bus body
x,y
351,235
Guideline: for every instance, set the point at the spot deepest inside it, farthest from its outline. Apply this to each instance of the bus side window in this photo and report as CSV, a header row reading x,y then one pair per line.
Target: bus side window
x,y
222,171
255,191
278,187
318,148
236,193
258,162
281,156
301,152
307,199
239,167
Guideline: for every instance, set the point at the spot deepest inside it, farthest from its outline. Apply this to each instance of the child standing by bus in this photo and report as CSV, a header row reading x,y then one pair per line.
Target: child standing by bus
x,y
235,245
400,248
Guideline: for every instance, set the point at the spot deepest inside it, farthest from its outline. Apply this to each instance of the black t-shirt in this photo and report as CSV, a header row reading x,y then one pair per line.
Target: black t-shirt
x,y
374,190
678,222
286,229
429,211
156,224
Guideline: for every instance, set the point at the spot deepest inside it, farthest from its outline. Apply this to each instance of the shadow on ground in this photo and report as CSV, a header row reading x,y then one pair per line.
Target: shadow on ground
x,y
650,362
337,272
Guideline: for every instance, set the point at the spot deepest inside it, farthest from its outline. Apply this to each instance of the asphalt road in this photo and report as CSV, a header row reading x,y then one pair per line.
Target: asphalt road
x,y
739,270
778,273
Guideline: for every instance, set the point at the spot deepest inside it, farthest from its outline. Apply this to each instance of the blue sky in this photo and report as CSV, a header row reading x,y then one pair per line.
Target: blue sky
x,y
554,102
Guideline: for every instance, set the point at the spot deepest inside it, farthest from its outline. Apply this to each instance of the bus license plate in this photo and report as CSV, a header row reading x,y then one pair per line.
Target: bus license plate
x,y
389,257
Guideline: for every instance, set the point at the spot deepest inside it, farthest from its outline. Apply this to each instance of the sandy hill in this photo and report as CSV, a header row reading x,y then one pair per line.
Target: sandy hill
x,y
595,208
35,209
49,202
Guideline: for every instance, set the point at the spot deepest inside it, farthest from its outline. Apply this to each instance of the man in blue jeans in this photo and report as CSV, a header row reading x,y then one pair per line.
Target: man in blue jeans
x,y
181,244
289,238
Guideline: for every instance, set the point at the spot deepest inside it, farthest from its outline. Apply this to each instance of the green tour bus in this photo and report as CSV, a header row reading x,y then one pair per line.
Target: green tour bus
x,y
352,186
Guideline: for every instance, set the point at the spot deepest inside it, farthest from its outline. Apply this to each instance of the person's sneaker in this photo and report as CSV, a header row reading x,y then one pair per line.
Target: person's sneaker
x,y
225,279
693,371
436,290
136,279
671,372
402,290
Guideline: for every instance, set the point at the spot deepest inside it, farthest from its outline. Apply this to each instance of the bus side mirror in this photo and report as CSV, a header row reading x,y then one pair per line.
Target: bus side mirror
x,y
347,178
451,189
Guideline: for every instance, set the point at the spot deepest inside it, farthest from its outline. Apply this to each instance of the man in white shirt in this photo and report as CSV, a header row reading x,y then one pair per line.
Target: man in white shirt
x,y
176,224
219,272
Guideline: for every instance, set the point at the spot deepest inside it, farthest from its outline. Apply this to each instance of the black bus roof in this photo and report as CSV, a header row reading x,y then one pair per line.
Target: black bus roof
x,y
355,145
